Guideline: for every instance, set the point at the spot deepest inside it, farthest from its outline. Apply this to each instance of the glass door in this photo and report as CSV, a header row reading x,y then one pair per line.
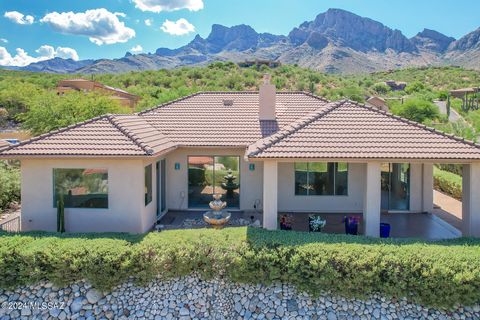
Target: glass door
x,y
161,187
395,186
213,174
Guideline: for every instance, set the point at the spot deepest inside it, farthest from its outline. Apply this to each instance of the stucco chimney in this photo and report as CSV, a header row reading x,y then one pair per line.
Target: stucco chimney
x,y
267,100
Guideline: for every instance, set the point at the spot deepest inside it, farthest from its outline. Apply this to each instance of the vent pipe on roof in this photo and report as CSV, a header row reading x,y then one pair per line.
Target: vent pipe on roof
x,y
267,100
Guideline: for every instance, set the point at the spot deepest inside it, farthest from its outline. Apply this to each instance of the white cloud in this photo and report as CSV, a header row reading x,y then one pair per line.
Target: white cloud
x,y
148,22
99,25
45,52
138,48
18,17
168,5
177,28
3,40
66,53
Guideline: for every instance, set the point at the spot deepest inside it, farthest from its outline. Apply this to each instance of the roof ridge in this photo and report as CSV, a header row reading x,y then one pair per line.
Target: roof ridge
x,y
228,92
287,130
51,133
141,113
131,135
416,124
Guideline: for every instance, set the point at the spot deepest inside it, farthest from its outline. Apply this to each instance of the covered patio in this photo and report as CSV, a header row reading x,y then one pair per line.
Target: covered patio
x,y
352,159
412,225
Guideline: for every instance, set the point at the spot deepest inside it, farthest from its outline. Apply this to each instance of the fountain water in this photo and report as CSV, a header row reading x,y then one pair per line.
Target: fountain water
x,y
217,217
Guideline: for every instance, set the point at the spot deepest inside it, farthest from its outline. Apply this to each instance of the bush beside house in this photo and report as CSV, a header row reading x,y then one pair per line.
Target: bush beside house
x,y
441,273
9,184
448,182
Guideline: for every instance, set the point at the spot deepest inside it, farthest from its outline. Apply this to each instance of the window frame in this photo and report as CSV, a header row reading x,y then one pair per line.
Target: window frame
x,y
335,168
54,191
148,188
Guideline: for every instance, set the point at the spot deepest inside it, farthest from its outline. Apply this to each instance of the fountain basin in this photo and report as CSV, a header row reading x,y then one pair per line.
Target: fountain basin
x,y
217,219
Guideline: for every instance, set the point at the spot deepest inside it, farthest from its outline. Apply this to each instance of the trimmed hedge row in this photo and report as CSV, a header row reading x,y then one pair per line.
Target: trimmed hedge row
x,y
448,182
439,274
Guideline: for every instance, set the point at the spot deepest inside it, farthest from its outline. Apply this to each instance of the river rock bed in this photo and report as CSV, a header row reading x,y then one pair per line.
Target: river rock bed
x,y
192,298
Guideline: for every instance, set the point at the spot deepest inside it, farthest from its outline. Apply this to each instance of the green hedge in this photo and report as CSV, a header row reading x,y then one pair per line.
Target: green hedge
x,y
9,184
448,182
439,274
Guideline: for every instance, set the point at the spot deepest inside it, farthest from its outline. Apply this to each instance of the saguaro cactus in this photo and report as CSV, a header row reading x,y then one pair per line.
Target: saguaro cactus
x,y
60,214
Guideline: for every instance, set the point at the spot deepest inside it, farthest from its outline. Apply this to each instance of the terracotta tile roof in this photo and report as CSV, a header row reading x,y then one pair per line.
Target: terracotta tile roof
x,y
349,130
109,135
306,127
3,144
203,119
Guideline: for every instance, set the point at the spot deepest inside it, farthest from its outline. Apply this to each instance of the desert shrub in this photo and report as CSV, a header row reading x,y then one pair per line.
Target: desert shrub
x,y
416,109
441,273
49,111
9,184
448,182
451,167
381,88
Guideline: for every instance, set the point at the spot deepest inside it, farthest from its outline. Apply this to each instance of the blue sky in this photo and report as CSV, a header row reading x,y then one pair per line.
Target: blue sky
x,y
109,28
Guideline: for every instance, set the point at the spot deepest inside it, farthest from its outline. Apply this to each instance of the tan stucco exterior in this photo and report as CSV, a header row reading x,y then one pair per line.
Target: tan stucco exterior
x,y
126,211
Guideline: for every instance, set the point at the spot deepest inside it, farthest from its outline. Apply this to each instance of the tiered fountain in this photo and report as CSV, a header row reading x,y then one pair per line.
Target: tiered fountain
x,y
217,217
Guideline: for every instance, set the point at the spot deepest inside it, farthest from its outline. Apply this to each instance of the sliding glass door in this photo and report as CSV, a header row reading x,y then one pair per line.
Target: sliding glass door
x,y
213,174
395,186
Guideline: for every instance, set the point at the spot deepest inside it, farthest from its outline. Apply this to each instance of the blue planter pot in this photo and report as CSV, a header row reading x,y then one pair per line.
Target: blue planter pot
x,y
351,228
384,230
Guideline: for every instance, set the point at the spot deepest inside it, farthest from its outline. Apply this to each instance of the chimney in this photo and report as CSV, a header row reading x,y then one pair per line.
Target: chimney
x,y
267,100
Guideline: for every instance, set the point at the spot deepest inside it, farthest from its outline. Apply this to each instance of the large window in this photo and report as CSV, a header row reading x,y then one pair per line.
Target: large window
x,y
321,178
148,184
213,174
81,188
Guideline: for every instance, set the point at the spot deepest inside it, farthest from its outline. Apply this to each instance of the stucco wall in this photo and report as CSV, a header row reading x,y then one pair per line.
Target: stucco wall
x,y
125,197
251,182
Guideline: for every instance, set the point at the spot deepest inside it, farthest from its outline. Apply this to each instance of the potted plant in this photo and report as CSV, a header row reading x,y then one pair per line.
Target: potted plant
x,y
351,224
285,222
316,223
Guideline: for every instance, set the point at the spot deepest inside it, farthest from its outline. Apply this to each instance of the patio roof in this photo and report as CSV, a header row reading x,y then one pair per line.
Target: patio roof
x,y
348,130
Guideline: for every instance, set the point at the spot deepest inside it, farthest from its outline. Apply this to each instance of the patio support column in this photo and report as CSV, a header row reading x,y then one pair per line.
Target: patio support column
x,y
427,187
372,200
270,197
471,200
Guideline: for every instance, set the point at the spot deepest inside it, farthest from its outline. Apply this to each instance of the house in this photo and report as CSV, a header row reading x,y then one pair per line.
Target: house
x,y
258,63
122,96
290,151
377,102
396,85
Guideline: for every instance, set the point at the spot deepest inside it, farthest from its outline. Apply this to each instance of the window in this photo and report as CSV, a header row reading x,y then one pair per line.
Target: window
x,y
321,178
213,174
81,188
148,184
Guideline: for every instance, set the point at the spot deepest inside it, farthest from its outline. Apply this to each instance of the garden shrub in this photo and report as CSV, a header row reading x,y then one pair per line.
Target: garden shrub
x,y
9,184
442,273
448,182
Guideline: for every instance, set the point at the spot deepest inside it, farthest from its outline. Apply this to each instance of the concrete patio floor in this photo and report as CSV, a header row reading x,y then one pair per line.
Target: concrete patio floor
x,y
448,209
403,225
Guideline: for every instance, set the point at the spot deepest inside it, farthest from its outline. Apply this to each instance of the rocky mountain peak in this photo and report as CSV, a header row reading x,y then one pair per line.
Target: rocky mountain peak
x,y
467,42
432,40
348,29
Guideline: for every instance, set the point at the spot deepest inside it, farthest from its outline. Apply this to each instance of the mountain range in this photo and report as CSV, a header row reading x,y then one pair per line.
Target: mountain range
x,y
337,41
